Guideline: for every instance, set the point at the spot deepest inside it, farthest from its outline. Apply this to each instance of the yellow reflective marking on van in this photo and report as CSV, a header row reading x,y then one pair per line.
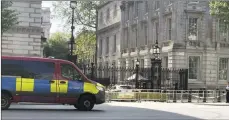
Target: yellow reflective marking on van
x,y
53,86
18,84
63,87
91,88
27,84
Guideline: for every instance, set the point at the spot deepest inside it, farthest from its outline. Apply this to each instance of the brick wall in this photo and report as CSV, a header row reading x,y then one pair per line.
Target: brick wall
x,y
25,38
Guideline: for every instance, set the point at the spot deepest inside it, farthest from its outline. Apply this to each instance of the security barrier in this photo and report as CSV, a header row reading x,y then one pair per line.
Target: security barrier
x,y
182,96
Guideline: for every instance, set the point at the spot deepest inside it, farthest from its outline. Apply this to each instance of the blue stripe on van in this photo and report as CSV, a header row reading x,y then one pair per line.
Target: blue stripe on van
x,y
8,83
41,86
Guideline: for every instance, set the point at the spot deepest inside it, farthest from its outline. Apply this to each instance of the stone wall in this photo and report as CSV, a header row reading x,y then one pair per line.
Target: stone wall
x,y
25,38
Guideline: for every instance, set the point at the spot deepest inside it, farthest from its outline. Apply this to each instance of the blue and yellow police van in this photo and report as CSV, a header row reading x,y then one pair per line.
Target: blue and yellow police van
x,y
46,80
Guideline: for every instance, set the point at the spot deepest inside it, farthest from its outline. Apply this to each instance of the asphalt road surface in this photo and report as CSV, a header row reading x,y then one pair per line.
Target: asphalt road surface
x,y
110,111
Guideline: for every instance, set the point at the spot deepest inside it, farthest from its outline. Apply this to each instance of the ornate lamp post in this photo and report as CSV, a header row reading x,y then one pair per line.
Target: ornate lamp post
x,y
72,43
156,66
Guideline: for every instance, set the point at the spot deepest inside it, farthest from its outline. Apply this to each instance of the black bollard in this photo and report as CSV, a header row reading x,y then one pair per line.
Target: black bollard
x,y
190,96
205,95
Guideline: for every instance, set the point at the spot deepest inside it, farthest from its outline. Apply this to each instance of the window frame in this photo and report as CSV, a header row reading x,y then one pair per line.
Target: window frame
x,y
197,27
220,31
54,69
198,73
218,69
77,69
8,60
169,26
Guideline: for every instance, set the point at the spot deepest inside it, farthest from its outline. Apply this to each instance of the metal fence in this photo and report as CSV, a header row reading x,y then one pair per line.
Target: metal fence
x,y
169,78
182,96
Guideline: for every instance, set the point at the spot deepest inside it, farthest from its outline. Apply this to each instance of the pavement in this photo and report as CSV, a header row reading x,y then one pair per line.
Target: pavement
x,y
120,111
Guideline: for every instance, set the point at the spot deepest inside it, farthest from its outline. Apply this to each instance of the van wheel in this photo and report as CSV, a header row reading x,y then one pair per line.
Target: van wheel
x,y
86,103
5,100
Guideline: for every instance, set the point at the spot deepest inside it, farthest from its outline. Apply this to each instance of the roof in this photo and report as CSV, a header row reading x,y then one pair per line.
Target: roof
x,y
34,58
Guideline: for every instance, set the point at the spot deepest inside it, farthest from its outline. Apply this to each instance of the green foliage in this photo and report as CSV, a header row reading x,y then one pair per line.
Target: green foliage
x,y
85,12
85,45
8,17
57,45
220,9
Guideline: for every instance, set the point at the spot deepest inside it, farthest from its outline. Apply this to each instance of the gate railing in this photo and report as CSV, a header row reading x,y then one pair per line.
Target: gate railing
x,y
182,96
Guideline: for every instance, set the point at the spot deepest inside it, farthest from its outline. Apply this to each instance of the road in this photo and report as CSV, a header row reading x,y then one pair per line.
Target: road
x,y
119,111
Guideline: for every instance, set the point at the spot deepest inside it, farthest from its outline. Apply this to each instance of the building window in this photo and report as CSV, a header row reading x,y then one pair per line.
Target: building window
x,y
157,30
192,29
115,10
223,30
114,47
101,18
108,13
107,46
146,33
194,66
146,7
169,28
157,5
223,68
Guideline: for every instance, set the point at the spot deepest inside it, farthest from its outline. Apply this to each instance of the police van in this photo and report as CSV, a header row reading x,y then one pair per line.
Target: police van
x,y
45,80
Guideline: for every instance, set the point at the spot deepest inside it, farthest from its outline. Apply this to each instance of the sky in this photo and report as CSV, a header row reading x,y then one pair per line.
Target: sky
x,y
56,24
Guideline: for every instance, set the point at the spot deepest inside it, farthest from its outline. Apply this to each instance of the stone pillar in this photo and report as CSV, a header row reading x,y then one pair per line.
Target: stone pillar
x,y
25,38
209,69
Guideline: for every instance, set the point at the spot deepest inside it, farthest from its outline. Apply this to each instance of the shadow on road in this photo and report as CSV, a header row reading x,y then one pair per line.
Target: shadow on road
x,y
101,112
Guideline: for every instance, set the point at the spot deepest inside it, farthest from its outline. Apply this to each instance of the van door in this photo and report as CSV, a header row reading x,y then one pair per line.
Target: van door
x,y
70,84
38,84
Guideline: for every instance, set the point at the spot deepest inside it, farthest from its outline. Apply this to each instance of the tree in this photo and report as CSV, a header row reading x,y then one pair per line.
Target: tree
x,y
57,45
85,12
9,17
220,9
85,45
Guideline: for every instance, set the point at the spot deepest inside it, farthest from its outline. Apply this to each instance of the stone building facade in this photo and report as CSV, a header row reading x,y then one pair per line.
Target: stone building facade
x,y
188,37
108,42
24,39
